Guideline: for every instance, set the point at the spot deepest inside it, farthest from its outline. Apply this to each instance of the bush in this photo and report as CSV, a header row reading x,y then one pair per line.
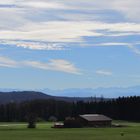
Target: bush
x,y
31,121
40,119
52,119
32,125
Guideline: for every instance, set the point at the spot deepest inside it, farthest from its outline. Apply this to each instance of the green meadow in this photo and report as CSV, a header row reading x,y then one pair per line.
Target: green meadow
x,y
19,131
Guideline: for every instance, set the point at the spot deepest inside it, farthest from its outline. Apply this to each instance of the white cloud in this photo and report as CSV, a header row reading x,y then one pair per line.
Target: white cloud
x,y
134,49
51,31
42,4
34,45
4,2
129,8
55,65
113,44
6,62
12,18
36,35
60,65
132,46
67,31
33,4
28,21
104,72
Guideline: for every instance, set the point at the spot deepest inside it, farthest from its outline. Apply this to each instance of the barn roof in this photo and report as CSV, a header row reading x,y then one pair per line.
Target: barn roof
x,y
95,117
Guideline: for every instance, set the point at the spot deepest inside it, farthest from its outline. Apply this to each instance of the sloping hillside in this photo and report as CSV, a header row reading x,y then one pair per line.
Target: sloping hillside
x,y
15,96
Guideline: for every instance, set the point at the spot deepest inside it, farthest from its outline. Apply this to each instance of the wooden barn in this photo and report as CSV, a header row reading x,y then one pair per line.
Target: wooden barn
x,y
95,120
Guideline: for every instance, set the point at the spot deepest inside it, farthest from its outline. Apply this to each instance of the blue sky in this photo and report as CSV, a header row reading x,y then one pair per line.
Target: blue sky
x,y
62,44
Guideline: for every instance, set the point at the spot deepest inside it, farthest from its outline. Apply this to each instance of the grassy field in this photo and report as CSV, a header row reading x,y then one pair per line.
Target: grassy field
x,y
12,131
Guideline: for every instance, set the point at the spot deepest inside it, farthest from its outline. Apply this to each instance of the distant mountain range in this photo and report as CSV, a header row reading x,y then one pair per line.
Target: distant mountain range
x,y
70,95
112,92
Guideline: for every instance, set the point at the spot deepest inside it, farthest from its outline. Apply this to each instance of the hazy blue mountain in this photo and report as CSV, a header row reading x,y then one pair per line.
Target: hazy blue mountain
x,y
112,92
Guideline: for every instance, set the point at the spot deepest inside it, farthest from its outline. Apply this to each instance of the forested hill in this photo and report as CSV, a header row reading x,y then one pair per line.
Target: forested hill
x,y
125,108
18,97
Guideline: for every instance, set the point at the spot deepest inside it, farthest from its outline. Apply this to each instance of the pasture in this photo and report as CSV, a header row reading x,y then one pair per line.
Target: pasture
x,y
19,131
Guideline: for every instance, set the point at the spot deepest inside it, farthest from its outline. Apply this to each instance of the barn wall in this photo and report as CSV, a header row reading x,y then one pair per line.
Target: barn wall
x,y
99,124
94,123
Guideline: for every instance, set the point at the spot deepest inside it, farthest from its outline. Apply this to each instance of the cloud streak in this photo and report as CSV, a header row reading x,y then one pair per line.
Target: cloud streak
x,y
33,45
55,65
59,65
131,46
58,21
104,73
128,8
68,31
7,62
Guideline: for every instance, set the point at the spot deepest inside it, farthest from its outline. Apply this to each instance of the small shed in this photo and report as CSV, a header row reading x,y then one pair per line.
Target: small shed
x,y
95,120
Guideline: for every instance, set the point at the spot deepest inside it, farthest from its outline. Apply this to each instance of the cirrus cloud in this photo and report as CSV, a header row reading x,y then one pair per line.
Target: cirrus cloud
x,y
55,65
104,72
59,65
7,62
33,45
57,21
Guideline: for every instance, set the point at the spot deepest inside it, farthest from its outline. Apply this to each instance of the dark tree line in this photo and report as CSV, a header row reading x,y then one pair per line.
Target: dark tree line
x,y
122,109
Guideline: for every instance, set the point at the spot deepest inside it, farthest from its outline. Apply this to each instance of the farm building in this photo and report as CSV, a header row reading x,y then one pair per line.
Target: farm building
x,y
95,120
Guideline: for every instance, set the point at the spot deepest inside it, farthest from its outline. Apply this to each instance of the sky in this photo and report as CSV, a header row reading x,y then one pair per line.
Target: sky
x,y
61,44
